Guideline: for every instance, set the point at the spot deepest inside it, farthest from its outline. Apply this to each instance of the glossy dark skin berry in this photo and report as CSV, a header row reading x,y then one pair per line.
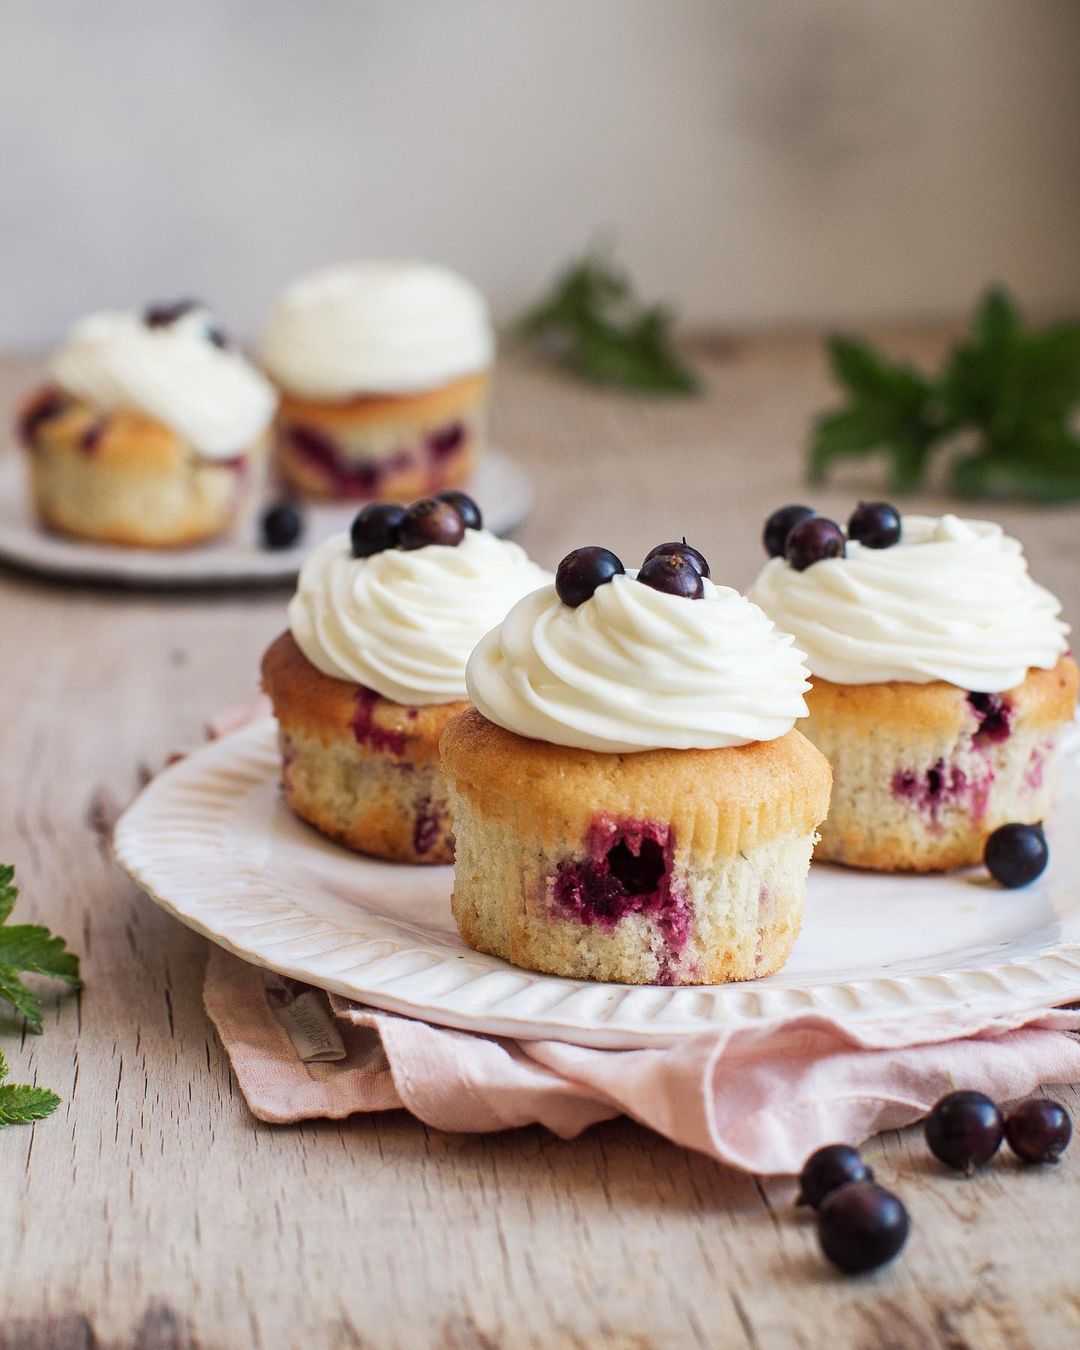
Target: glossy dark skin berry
x,y
375,528
964,1130
583,571
430,522
812,541
466,508
673,574
779,526
693,556
282,525
861,1227
1015,855
1038,1130
829,1168
875,525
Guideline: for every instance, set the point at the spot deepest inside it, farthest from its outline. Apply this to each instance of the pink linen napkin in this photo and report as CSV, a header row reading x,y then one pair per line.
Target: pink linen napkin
x,y
757,1097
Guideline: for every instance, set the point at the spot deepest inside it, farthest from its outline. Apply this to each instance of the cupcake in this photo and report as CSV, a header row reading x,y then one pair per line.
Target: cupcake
x,y
373,666
383,369
630,801
940,680
148,431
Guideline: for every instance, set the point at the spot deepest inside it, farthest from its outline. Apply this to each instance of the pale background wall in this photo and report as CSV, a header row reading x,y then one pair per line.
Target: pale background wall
x,y
758,161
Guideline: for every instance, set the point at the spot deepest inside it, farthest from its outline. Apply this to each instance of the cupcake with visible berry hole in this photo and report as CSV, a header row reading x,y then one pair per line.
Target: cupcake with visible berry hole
x,y
383,369
941,679
150,431
630,800
373,666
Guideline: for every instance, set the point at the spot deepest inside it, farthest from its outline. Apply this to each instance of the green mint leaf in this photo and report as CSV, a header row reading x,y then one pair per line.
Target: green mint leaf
x,y
29,949
591,322
22,1105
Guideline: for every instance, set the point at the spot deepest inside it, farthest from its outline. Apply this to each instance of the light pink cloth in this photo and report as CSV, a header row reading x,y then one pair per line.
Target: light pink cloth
x,y
760,1098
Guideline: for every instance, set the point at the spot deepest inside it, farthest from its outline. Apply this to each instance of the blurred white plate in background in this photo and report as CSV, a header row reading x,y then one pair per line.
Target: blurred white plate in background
x,y
503,491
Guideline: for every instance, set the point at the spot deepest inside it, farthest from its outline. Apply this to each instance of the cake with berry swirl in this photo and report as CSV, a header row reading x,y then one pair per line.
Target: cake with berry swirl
x,y
383,369
941,679
149,430
373,665
631,802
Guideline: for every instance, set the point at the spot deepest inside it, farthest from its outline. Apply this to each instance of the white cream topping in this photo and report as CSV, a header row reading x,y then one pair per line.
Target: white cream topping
x,y
952,601
211,396
637,669
376,328
404,622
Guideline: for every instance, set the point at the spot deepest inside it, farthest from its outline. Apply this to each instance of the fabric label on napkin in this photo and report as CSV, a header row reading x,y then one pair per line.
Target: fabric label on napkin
x,y
310,1028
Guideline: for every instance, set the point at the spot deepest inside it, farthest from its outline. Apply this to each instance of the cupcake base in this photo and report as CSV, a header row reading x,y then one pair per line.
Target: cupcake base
x,y
664,867
364,771
122,478
923,773
389,447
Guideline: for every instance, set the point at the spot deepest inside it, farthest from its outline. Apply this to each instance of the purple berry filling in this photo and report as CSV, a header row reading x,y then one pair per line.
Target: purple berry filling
x,y
627,870
91,437
43,406
364,478
940,786
379,739
994,717
427,828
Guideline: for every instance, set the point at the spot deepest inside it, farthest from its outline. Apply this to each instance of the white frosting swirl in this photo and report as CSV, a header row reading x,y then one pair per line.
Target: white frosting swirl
x,y
404,622
952,601
637,669
209,395
376,328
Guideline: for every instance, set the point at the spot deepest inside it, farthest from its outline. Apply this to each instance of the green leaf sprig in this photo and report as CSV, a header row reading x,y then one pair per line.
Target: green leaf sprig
x,y
21,1104
27,948
1005,400
592,323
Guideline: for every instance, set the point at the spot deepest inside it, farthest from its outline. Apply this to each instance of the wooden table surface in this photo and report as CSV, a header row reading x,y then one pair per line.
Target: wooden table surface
x,y
152,1210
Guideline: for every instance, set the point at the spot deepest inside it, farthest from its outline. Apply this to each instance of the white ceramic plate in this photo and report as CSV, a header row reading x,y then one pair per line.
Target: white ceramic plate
x,y
212,841
503,491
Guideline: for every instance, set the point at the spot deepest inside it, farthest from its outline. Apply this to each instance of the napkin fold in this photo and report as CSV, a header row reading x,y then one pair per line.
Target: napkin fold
x,y
757,1097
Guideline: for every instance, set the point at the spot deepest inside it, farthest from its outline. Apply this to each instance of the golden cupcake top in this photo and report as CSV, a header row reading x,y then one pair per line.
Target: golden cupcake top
x,y
659,658
917,599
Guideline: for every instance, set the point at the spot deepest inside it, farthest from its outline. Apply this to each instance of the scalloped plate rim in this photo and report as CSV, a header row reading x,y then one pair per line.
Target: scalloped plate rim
x,y
249,756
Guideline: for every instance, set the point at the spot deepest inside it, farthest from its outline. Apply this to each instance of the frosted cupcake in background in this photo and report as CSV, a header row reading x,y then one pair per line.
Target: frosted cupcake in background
x,y
148,431
630,799
941,679
373,665
383,369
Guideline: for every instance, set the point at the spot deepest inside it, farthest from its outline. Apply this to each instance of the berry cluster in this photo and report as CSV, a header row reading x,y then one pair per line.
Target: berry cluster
x,y
677,569
165,314
802,537
433,520
862,1225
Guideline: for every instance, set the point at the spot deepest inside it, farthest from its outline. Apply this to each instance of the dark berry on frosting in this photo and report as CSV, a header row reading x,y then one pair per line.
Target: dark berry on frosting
x,y
673,574
163,314
375,528
1016,854
695,558
583,571
430,522
39,408
875,525
779,526
466,508
812,541
281,525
